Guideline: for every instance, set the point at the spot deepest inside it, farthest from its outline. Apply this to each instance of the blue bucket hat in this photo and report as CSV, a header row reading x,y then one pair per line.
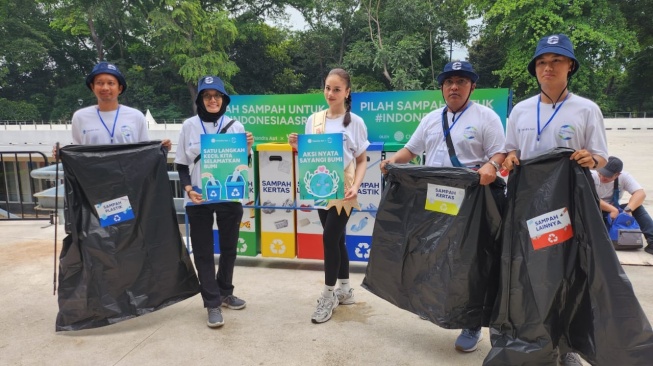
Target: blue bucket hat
x,y
106,68
457,68
215,83
559,44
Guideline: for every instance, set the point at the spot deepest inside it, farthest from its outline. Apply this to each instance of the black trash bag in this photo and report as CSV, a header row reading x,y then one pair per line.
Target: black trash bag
x,y
442,266
129,266
571,293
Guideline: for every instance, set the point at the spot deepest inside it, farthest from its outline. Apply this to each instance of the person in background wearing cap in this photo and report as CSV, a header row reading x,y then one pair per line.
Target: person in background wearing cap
x,y
109,122
212,101
476,132
604,181
556,118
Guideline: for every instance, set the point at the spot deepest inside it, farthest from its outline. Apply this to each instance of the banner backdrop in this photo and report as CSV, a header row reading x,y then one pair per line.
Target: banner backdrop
x,y
389,116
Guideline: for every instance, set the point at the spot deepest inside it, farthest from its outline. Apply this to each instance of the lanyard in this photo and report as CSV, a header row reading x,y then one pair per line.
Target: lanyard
x,y
539,100
113,129
453,119
219,126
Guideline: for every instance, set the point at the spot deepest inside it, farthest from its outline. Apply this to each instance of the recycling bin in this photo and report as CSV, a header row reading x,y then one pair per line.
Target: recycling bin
x,y
391,148
361,223
276,200
247,238
309,228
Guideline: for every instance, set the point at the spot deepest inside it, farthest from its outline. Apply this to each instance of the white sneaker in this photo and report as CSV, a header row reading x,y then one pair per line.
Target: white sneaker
x,y
324,309
345,298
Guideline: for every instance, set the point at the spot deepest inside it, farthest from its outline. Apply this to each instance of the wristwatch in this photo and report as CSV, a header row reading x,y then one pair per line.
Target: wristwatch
x,y
628,209
495,165
596,163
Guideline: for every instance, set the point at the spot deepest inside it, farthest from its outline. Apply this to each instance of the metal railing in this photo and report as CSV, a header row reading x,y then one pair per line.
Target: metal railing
x,y
18,187
628,115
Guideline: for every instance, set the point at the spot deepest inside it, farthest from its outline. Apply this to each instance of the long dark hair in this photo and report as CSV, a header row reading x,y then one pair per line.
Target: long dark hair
x,y
344,75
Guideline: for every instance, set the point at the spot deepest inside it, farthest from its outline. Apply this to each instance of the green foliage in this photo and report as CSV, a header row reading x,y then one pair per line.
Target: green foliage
x,y
47,47
194,39
18,111
599,31
401,34
264,56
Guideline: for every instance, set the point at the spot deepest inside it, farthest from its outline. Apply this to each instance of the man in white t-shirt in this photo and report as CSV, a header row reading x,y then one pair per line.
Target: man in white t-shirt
x,y
556,118
476,131
108,122
477,139
604,181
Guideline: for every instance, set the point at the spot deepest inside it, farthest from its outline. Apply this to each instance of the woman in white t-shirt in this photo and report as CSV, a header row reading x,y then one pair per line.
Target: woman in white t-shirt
x,y
338,119
212,101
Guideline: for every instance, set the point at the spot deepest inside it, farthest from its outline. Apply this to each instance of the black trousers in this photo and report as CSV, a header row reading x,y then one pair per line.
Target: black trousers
x,y
200,218
336,258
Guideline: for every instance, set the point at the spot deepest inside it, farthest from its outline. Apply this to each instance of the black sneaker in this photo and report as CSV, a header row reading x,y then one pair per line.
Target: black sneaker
x,y
215,318
232,302
649,249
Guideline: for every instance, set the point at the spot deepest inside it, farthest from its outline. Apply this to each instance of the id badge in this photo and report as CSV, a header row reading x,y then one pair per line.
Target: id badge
x,y
441,157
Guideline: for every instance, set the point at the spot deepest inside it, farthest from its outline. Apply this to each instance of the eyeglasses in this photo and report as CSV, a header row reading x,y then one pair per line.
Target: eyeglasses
x,y
459,82
208,97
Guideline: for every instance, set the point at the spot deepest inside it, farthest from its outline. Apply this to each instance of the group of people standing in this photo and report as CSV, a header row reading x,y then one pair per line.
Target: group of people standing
x,y
461,134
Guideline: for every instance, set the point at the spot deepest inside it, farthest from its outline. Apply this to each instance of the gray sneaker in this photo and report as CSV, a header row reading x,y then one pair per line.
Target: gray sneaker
x,y
345,298
569,359
215,318
324,309
232,302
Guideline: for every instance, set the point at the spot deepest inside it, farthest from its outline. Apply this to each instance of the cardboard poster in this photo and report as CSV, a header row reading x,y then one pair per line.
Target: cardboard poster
x,y
321,167
224,169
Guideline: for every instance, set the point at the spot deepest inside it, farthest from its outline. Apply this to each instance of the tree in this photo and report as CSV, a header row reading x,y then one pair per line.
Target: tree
x,y
603,43
402,35
264,56
633,93
195,40
487,54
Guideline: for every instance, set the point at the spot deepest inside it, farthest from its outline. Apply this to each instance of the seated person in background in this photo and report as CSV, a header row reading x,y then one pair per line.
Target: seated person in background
x,y
612,176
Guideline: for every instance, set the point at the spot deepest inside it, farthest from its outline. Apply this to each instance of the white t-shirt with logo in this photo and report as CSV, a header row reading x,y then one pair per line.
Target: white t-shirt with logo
x,y
354,136
476,137
88,129
190,140
626,184
577,125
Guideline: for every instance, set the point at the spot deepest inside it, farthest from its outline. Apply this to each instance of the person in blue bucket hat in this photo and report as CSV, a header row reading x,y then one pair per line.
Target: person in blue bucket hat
x,y
108,122
555,117
477,140
216,289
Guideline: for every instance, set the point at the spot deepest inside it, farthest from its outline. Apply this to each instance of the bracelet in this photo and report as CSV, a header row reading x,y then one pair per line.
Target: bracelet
x,y
596,163
495,165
